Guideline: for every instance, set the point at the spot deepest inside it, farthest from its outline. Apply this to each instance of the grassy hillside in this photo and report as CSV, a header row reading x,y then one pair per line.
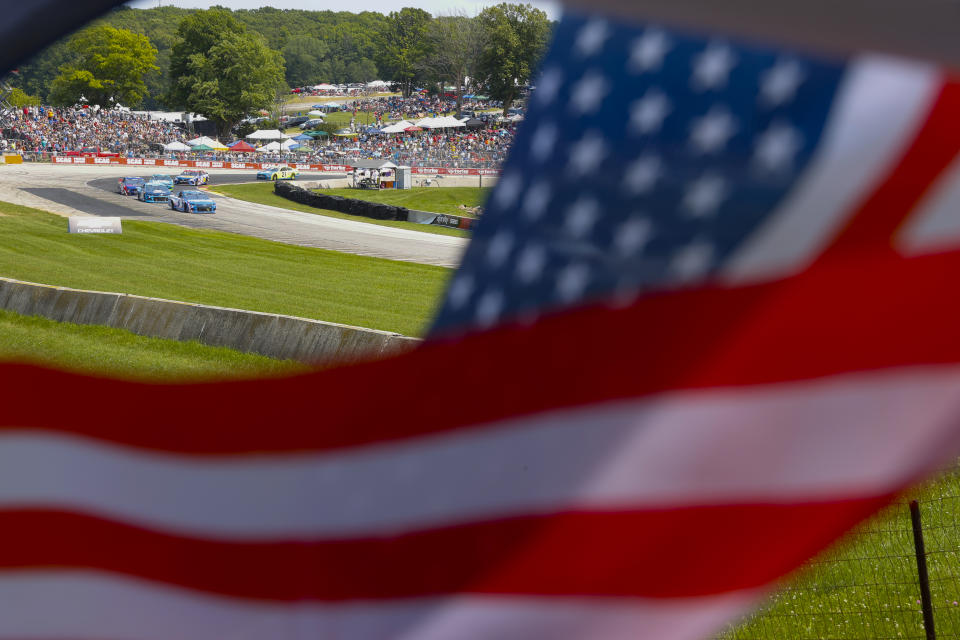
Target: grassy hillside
x,y
166,261
107,351
438,200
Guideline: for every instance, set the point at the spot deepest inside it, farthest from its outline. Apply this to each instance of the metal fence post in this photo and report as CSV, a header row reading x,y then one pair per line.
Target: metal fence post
x,y
921,554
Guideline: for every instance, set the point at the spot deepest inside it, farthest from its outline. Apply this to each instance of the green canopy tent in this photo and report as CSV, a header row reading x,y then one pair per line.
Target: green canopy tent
x,y
201,147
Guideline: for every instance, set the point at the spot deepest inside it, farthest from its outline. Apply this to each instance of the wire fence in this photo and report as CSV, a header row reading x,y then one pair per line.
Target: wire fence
x,y
867,586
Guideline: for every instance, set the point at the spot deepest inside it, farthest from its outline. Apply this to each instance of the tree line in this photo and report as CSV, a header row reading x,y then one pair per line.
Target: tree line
x,y
225,64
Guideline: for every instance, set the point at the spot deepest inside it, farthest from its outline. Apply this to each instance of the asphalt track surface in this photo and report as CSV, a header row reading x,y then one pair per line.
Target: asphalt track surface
x,y
92,191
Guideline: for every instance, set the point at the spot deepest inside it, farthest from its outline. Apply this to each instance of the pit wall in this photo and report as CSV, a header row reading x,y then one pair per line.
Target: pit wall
x,y
277,336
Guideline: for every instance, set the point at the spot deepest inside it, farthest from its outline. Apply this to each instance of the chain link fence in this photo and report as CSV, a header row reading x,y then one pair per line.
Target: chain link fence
x,y
867,586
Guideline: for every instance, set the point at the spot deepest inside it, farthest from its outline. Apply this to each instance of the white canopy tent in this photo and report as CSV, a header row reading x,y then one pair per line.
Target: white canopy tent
x,y
397,127
267,148
450,122
316,113
210,142
176,146
267,134
324,87
289,142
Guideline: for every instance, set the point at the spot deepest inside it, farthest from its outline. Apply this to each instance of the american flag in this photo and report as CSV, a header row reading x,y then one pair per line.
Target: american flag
x,y
704,328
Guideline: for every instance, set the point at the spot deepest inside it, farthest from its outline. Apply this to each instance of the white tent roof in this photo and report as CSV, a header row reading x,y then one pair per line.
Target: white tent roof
x,y
324,87
378,83
397,127
289,142
273,146
316,113
176,146
210,142
428,123
267,134
450,121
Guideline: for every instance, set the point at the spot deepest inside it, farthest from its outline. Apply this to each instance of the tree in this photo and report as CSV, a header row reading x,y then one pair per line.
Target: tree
x,y
305,60
515,37
404,45
221,71
109,68
456,46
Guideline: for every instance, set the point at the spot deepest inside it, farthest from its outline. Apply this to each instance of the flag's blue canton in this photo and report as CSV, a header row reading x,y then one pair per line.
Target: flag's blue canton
x,y
646,159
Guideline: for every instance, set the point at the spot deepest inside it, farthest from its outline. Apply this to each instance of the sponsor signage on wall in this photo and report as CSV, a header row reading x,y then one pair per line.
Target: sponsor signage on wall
x,y
85,224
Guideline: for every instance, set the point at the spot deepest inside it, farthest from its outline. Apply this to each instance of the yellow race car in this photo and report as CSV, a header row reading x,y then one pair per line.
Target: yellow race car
x,y
282,172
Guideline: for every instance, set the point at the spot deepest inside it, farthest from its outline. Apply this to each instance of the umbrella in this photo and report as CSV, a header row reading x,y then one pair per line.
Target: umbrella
x,y
202,147
176,146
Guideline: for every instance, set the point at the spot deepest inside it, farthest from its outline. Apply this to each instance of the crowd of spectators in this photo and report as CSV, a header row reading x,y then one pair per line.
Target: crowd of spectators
x,y
46,131
52,130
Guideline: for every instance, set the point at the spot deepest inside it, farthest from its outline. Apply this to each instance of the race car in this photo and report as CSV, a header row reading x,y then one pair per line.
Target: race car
x,y
154,191
192,177
164,178
129,186
277,173
192,202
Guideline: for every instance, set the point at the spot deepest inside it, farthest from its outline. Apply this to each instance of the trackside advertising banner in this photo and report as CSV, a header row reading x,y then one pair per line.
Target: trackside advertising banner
x,y
216,164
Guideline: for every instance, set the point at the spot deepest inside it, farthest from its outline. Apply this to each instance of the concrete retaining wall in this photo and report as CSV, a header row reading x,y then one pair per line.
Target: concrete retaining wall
x,y
269,334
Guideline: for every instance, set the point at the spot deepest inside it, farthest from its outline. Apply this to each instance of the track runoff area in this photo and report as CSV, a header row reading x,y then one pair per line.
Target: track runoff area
x,y
92,190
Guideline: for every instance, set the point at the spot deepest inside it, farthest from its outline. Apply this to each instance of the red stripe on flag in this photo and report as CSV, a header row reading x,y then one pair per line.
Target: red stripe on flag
x,y
846,316
600,554
874,223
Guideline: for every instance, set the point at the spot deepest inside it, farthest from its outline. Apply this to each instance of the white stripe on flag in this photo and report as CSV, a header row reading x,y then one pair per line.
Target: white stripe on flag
x,y
881,105
74,604
774,443
935,225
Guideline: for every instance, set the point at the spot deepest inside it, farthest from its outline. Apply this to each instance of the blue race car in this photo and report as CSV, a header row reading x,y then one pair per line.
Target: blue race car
x,y
164,178
129,186
192,177
192,202
153,191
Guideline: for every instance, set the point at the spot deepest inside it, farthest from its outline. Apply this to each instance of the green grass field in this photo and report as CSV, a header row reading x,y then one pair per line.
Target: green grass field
x,y
222,269
262,193
437,200
102,350
866,587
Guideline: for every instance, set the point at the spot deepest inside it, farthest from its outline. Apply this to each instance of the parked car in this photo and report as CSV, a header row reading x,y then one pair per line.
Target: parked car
x,y
193,177
310,124
192,202
154,191
282,172
128,186
296,122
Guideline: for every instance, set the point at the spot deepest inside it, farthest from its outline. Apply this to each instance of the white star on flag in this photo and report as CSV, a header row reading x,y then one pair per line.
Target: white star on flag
x,y
531,262
549,85
499,248
572,281
508,190
711,132
587,154
581,217
691,262
777,147
489,308
633,235
779,84
704,195
537,199
642,174
461,290
648,51
592,37
711,69
543,141
648,113
589,92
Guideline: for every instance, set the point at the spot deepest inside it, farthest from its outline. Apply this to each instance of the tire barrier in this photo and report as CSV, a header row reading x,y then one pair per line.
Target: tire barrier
x,y
355,207
269,334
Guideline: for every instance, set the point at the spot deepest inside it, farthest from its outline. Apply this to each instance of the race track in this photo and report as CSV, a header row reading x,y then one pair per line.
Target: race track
x,y
91,190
